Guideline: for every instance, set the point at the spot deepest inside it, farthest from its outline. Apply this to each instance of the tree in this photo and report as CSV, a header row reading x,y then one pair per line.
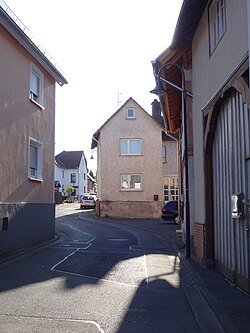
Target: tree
x,y
69,190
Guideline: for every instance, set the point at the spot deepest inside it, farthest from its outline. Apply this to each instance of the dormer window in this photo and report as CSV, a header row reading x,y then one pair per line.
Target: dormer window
x,y
130,113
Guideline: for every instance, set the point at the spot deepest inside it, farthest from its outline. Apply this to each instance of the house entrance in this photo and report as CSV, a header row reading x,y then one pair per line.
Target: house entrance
x,y
231,181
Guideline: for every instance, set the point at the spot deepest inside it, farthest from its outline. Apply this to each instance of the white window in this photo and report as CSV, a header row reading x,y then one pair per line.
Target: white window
x,y
36,85
131,182
130,113
130,146
217,22
35,159
170,189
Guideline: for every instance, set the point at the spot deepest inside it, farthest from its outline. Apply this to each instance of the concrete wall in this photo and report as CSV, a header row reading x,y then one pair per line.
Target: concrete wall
x,y
209,72
111,165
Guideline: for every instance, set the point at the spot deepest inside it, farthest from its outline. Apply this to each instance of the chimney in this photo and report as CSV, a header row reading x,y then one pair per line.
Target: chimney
x,y
156,112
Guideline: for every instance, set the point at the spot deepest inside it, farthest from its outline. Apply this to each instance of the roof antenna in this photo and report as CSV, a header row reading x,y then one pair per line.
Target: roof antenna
x,y
118,99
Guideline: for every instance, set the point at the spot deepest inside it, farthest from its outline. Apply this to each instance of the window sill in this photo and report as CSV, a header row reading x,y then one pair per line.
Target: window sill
x,y
126,155
37,104
131,190
36,179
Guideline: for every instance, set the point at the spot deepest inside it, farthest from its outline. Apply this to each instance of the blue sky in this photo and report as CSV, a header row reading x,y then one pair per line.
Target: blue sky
x,y
103,48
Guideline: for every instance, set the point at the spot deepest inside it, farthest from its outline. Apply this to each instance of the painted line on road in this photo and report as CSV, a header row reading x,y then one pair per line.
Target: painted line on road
x,y
92,322
71,254
137,286
146,270
83,232
118,239
97,279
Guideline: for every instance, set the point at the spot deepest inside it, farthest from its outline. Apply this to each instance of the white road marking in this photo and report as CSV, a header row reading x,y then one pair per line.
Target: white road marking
x,y
71,254
80,231
58,319
146,270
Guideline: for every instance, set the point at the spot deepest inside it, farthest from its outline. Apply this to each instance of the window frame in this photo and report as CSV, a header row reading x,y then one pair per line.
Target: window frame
x,y
133,115
170,188
34,70
164,153
39,159
216,22
129,188
129,153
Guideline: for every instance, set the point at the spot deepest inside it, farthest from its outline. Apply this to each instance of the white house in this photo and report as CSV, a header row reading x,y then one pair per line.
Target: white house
x,y
71,170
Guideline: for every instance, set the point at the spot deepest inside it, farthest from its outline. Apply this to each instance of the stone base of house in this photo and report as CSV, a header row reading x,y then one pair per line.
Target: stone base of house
x,y
24,224
129,209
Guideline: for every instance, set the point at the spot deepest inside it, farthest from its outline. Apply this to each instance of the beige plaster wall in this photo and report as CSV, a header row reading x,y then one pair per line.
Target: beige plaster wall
x,y
209,72
20,119
170,167
111,165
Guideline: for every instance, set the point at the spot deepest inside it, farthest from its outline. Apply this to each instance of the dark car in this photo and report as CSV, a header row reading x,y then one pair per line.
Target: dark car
x,y
87,201
170,211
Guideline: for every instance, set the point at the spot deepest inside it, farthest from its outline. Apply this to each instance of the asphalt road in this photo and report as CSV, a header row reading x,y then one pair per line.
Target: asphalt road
x,y
99,276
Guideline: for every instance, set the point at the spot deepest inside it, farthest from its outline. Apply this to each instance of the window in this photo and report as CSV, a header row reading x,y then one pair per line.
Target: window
x,y
35,159
131,182
36,85
62,173
130,113
130,146
217,22
73,178
164,153
170,189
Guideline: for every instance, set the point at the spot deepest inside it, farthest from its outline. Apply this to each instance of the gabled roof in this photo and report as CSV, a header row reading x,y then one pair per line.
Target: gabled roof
x,y
96,135
22,34
69,159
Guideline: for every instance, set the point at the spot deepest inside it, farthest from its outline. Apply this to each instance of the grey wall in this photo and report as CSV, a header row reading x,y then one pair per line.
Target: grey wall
x,y
24,224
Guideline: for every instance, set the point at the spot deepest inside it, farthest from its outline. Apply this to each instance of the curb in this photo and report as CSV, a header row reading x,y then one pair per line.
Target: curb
x,y
4,258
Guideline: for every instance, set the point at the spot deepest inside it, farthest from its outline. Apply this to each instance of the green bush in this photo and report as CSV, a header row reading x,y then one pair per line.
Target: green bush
x,y
68,200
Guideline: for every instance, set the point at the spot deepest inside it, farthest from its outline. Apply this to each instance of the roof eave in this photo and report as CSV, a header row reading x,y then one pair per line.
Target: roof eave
x,y
188,20
27,43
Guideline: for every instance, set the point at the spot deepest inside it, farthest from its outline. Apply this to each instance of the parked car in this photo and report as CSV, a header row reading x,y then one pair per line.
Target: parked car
x,y
87,201
170,211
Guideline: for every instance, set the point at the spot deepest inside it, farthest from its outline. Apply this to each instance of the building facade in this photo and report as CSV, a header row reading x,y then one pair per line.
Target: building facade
x,y
213,50
129,164
27,118
71,170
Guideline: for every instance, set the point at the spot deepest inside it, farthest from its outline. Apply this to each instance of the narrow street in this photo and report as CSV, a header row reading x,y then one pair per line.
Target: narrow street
x,y
100,276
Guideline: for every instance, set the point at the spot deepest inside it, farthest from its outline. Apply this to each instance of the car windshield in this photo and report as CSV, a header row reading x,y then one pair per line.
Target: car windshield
x,y
87,198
